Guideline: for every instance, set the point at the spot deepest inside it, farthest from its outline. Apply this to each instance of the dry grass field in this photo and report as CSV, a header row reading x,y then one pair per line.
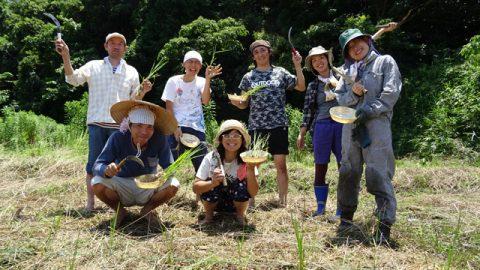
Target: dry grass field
x,y
43,227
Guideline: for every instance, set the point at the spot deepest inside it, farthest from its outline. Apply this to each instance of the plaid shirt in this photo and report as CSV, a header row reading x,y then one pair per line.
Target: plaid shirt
x,y
310,110
105,87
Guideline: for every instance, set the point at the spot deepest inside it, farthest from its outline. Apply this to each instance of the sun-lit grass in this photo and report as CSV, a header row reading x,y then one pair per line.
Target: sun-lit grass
x,y
43,225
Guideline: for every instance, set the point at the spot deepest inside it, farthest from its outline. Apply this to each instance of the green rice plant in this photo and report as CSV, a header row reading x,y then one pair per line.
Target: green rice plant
x,y
113,228
299,238
183,159
157,65
71,264
454,246
252,91
212,60
53,231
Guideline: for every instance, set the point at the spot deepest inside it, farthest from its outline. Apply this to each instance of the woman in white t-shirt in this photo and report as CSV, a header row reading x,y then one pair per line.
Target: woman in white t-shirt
x,y
184,95
231,189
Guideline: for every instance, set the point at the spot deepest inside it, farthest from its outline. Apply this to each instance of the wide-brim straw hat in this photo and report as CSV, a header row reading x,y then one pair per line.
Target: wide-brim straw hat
x,y
319,50
233,124
165,122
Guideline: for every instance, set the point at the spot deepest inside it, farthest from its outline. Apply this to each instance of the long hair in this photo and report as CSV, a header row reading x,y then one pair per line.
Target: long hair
x,y
221,149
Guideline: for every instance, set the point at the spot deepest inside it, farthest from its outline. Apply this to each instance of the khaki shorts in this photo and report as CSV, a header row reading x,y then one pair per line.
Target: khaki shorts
x,y
128,191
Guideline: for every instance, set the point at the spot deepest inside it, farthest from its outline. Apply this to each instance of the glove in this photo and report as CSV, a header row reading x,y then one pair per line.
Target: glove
x,y
360,135
363,114
329,95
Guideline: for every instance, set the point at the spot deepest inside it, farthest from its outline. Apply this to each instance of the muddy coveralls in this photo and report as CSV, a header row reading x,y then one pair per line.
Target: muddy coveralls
x,y
381,77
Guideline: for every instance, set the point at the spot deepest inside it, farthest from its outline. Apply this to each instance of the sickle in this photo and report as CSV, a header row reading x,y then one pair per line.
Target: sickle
x,y
56,22
290,40
132,158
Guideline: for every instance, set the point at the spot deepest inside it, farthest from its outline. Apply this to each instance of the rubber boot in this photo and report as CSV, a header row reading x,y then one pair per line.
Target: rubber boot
x,y
321,193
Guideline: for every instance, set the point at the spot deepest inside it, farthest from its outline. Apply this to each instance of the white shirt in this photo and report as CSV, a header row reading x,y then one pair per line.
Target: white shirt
x,y
187,101
210,162
105,88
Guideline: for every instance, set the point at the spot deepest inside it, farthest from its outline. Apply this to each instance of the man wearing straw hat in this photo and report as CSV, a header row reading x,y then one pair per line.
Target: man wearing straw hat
x,y
109,80
143,132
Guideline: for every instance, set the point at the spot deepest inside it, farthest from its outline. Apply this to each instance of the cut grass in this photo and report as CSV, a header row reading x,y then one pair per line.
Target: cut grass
x,y
43,226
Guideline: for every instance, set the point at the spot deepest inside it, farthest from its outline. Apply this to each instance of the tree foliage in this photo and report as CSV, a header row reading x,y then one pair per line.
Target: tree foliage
x,y
433,115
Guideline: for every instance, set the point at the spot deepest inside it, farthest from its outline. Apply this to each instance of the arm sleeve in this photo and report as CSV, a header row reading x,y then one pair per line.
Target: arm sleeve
x,y
244,83
135,82
289,79
204,170
307,106
169,92
106,157
165,157
345,95
80,75
392,85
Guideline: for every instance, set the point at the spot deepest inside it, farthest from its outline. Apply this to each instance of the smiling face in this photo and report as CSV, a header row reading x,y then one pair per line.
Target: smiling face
x,y
115,47
261,55
358,48
320,64
231,140
141,133
192,67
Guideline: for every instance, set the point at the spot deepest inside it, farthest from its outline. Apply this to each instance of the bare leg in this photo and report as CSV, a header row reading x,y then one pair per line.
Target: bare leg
x,y
90,195
251,203
159,198
110,198
282,178
240,208
209,209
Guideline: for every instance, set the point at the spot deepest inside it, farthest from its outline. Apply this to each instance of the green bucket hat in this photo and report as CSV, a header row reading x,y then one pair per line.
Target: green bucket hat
x,y
349,35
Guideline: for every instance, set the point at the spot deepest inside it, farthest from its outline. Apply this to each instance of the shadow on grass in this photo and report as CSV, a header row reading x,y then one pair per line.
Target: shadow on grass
x,y
135,226
357,234
268,205
225,223
79,213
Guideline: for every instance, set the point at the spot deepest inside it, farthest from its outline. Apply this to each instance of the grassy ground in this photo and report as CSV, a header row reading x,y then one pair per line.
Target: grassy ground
x,y
43,226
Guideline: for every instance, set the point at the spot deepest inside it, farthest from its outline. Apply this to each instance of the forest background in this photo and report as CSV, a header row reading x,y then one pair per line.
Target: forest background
x,y
437,48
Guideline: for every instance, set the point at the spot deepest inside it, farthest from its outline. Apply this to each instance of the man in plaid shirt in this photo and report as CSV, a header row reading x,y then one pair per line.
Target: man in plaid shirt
x,y
109,80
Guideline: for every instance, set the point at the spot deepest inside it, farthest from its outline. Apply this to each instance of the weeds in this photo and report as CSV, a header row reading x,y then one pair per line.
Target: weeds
x,y
299,237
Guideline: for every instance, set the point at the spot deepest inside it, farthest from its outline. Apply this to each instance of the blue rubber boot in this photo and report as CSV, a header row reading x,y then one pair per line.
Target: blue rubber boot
x,y
321,193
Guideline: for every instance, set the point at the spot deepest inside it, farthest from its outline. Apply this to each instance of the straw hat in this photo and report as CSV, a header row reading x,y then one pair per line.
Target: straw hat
x,y
233,124
165,123
317,51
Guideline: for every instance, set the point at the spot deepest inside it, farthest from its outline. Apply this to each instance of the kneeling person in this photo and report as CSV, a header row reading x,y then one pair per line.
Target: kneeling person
x,y
143,131
240,178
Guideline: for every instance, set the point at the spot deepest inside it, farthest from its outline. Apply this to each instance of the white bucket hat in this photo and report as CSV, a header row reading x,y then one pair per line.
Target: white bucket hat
x,y
317,51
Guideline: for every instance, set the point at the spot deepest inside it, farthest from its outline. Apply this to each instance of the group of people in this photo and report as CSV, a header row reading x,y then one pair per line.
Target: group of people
x,y
120,125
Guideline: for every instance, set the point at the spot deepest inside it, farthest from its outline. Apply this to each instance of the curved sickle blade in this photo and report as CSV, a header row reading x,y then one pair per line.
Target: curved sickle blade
x,y
56,22
290,39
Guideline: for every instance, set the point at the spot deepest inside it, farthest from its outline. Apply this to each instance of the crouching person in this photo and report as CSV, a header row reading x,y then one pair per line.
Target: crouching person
x,y
224,182
143,131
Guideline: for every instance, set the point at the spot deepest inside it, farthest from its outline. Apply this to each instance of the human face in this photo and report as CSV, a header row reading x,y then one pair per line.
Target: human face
x,y
141,133
232,141
115,47
261,55
320,64
358,48
192,67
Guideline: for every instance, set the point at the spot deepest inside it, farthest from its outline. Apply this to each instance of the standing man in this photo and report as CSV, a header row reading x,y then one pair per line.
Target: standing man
x,y
376,88
267,106
109,80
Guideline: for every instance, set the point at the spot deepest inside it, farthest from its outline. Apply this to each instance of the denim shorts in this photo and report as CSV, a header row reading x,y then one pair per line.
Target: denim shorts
x,y
97,138
225,196
327,138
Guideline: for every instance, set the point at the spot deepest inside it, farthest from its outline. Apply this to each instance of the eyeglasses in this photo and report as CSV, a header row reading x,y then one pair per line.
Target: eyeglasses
x,y
231,136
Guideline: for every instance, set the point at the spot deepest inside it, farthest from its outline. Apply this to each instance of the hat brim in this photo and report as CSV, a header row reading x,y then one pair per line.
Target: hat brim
x,y
308,62
242,131
354,36
165,122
